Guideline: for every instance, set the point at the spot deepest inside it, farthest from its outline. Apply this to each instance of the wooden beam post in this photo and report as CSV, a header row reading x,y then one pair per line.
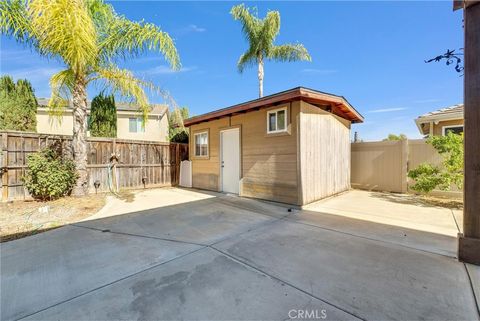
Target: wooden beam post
x,y
469,242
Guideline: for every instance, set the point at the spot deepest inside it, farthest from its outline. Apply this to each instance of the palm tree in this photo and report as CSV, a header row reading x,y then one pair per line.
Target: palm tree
x,y
89,37
261,33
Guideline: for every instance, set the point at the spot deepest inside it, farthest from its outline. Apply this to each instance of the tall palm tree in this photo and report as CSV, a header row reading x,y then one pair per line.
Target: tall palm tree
x,y
89,37
260,34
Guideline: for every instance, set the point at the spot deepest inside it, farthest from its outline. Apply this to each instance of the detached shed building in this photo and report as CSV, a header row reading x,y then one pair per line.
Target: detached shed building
x,y
291,147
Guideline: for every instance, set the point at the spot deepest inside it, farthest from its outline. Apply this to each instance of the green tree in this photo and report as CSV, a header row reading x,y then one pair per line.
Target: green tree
x,y
18,105
429,177
90,38
103,116
395,137
177,132
261,34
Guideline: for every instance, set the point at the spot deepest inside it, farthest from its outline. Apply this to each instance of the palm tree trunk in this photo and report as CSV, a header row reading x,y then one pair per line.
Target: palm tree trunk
x,y
260,76
79,135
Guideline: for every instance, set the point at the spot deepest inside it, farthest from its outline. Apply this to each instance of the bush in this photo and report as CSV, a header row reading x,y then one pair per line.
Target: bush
x,y
429,177
49,175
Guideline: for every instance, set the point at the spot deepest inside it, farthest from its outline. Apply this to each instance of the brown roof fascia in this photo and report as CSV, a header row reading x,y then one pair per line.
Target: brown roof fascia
x,y
286,96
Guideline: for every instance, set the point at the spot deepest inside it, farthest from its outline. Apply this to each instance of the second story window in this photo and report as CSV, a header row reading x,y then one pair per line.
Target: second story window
x,y
277,120
135,125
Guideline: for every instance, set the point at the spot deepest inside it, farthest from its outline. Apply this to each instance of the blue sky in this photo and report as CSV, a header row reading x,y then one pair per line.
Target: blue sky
x,y
370,52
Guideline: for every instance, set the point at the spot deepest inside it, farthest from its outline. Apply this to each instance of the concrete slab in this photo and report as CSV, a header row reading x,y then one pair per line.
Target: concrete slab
x,y
202,286
390,209
202,221
425,241
46,269
371,279
474,273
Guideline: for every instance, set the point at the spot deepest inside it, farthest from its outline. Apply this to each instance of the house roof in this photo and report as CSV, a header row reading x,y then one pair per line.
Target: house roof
x,y
339,104
156,109
447,113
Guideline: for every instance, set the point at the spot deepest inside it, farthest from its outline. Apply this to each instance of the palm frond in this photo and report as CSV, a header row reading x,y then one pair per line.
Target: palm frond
x,y
127,38
289,52
251,24
65,28
14,20
270,28
123,82
61,85
248,59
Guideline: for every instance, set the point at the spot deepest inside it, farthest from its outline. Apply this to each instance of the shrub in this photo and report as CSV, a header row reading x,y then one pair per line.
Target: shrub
x,y
177,133
49,175
429,177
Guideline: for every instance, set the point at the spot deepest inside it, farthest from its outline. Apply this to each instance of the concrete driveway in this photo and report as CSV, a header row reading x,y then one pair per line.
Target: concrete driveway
x,y
218,257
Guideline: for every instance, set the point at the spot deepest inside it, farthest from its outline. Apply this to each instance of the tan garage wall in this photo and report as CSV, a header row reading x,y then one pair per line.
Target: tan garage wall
x,y
206,170
269,160
324,154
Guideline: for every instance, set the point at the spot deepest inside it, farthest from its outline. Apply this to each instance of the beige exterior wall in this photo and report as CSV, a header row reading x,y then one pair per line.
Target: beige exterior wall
x,y
438,128
268,161
324,154
156,128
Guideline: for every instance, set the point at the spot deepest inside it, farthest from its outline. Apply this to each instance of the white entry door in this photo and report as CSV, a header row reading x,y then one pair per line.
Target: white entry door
x,y
230,160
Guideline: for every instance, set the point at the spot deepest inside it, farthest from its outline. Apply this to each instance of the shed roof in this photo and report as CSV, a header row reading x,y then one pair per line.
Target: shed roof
x,y
156,109
339,104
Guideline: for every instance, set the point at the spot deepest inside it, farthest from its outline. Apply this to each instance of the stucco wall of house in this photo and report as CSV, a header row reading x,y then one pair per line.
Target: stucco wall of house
x,y
156,128
438,128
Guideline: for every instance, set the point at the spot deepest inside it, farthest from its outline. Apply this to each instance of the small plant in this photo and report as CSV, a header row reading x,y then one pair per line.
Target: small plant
x,y
429,177
49,175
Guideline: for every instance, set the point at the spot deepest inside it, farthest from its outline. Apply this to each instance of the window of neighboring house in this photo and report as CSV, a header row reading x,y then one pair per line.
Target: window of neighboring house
x,y
135,125
277,120
201,144
457,129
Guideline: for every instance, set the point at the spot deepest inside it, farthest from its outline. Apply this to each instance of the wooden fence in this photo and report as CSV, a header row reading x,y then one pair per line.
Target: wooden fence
x,y
153,163
383,166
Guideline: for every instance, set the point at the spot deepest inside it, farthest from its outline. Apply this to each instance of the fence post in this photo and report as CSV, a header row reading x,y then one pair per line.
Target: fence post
x,y
4,168
177,163
404,165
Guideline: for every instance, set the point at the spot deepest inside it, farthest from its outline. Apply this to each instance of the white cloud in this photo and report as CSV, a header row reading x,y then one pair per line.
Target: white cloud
x,y
166,70
386,110
191,28
319,71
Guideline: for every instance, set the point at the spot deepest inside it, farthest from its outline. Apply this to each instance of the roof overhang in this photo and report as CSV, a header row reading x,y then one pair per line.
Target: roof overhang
x,y
436,118
338,103
461,4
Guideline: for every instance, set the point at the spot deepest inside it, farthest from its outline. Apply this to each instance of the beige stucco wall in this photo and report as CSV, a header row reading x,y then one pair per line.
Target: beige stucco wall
x,y
437,128
156,128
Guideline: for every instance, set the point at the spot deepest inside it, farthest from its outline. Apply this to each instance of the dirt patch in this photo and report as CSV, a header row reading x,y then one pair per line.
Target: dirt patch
x,y
23,218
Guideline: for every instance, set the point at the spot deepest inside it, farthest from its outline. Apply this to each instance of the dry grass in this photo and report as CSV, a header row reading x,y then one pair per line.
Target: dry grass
x,y
23,218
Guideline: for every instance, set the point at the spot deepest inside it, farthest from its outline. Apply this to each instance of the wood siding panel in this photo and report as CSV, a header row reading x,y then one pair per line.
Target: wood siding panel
x,y
269,161
206,171
324,154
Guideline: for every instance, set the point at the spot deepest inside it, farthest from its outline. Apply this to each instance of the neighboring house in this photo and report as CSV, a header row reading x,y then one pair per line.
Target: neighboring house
x,y
291,147
441,121
129,122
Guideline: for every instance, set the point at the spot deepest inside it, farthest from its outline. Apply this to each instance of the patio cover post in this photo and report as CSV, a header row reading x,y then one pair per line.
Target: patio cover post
x,y
469,242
